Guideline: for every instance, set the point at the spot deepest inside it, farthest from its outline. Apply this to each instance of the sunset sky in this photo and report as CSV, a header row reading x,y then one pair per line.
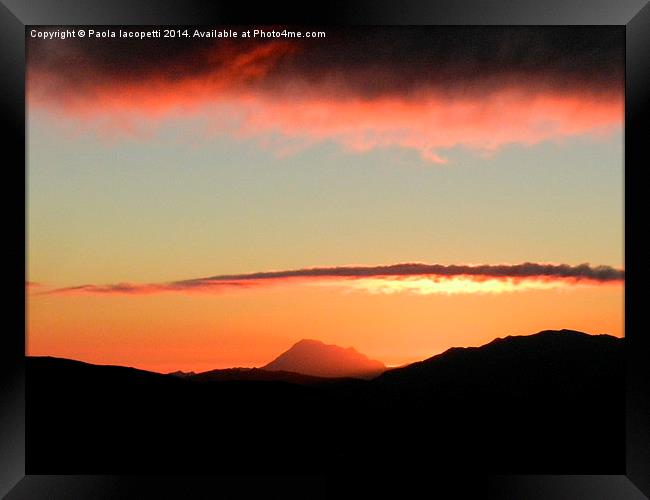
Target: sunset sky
x,y
195,204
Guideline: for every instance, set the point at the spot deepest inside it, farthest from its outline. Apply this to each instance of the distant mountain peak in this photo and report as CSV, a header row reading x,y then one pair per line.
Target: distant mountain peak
x,y
315,358
321,344
309,342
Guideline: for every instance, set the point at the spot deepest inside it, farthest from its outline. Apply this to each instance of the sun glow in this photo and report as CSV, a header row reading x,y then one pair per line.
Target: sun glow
x,y
443,285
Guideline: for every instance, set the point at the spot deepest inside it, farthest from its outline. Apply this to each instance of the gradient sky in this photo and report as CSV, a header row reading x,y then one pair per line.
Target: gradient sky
x,y
161,173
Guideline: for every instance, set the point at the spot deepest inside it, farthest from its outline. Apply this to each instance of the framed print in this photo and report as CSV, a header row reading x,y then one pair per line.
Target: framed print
x,y
264,251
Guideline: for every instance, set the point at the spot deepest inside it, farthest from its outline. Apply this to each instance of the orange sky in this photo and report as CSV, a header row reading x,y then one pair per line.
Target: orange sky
x,y
160,173
250,327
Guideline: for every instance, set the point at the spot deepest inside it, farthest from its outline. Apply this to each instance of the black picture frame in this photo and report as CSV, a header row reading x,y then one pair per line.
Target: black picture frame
x,y
15,15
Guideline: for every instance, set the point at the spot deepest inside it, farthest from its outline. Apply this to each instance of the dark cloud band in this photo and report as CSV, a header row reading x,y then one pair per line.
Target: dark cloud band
x,y
363,61
525,271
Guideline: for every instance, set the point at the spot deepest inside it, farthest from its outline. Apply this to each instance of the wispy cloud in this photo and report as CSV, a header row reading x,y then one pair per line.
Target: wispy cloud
x,y
410,277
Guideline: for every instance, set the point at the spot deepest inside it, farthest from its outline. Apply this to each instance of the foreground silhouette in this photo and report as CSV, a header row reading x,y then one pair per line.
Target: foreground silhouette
x,y
552,402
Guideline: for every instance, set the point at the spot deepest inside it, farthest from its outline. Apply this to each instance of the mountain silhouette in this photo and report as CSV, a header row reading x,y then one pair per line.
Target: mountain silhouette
x,y
513,364
548,403
313,357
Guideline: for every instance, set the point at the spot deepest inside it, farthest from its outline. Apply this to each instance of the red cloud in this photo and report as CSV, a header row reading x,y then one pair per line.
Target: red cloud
x,y
432,123
242,91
